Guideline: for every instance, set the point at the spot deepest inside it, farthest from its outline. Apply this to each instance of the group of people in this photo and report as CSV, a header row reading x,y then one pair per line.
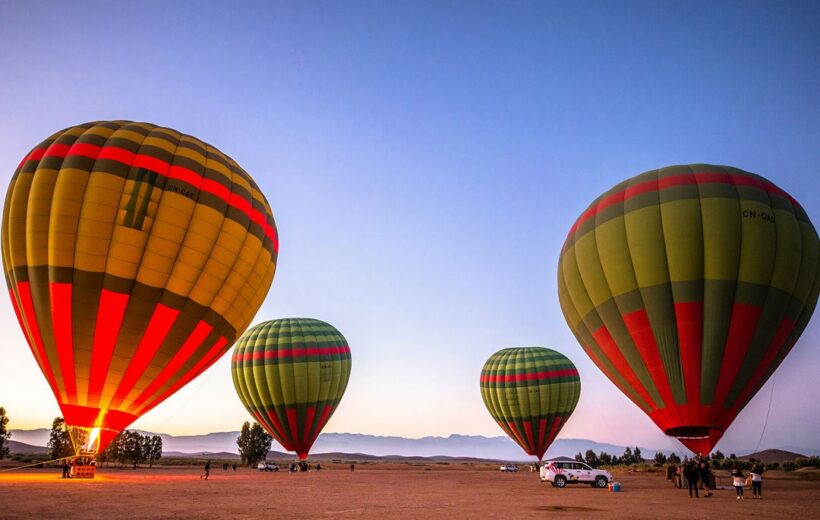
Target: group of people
x,y
225,467
694,474
295,467
755,478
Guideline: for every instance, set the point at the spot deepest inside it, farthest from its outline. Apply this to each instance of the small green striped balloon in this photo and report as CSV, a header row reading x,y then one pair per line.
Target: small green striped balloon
x,y
530,392
291,374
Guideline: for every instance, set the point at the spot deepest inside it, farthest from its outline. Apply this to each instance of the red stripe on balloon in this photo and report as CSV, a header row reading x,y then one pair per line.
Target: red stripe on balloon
x,y
202,365
286,353
310,414
191,344
34,155
689,319
613,353
542,436
290,413
106,330
87,150
556,425
517,435
60,299
741,330
276,425
165,169
35,341
528,432
679,180
781,334
326,411
532,376
161,322
637,324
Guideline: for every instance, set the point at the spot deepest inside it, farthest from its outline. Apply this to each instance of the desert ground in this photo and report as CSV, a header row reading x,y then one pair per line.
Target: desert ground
x,y
382,490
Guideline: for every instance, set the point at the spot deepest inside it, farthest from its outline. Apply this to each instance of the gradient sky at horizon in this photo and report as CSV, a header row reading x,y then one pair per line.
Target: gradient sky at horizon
x,y
424,162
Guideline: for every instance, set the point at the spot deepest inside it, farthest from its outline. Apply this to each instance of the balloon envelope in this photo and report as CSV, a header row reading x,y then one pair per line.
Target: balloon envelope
x,y
134,255
687,286
291,374
530,392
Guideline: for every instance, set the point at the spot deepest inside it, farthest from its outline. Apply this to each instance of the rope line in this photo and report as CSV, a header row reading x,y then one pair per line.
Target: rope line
x,y
768,411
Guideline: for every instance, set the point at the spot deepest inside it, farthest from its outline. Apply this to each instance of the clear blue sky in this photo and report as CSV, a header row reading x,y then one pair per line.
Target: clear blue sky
x,y
424,162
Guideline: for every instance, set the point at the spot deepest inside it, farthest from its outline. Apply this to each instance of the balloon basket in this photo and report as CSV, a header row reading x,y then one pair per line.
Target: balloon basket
x,y
83,471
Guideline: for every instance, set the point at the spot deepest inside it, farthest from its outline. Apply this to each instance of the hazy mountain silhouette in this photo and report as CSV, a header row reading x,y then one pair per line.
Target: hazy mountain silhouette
x,y
475,446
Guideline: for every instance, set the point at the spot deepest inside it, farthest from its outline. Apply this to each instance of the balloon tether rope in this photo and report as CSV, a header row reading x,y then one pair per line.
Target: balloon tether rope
x,y
766,422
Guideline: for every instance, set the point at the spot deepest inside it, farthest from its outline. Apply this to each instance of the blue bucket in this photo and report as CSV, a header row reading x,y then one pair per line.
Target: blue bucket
x,y
615,487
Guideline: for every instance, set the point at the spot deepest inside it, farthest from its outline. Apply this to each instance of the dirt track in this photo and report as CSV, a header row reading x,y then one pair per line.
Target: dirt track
x,y
378,491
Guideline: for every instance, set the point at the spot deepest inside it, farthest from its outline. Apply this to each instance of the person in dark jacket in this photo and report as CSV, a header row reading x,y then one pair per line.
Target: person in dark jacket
x,y
692,475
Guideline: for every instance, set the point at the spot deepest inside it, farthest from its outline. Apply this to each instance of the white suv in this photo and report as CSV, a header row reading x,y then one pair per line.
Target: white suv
x,y
267,466
560,473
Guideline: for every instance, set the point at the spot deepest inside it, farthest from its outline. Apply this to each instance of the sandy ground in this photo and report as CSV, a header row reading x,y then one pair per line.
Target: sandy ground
x,y
380,491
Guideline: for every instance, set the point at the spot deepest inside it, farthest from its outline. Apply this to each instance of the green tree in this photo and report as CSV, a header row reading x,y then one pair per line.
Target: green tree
x,y
673,458
718,455
637,458
660,458
579,457
592,459
627,457
153,450
5,435
132,447
59,442
606,459
254,443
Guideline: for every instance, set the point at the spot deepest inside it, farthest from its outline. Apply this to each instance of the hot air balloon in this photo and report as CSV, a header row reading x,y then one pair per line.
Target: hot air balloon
x,y
687,286
291,374
135,255
530,392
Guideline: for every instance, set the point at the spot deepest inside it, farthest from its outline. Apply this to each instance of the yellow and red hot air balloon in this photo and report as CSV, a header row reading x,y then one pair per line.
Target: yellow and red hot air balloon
x,y
688,286
134,255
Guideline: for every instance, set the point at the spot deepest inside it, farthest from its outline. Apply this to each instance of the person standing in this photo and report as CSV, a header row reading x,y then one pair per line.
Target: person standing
x,y
207,470
692,478
738,480
65,468
757,480
704,477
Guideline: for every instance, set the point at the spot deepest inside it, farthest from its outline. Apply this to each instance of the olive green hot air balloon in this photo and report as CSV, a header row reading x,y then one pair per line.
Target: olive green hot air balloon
x,y
530,392
291,374
688,286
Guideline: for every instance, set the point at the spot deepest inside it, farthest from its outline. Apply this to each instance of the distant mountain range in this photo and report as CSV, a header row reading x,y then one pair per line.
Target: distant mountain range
x,y
457,446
